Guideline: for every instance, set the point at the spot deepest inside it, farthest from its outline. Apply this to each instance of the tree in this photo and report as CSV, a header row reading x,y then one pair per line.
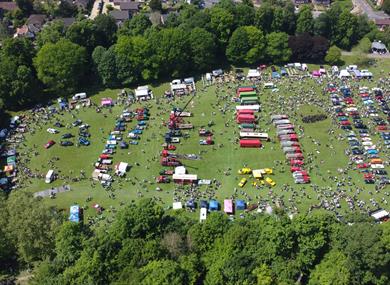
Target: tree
x,y
345,34
106,66
277,47
137,25
7,247
322,25
263,275
68,243
333,270
84,34
364,46
170,51
25,5
386,6
155,5
264,17
244,15
203,48
133,59
105,27
51,33
222,24
333,56
32,226
61,65
162,272
18,82
307,47
247,44
305,20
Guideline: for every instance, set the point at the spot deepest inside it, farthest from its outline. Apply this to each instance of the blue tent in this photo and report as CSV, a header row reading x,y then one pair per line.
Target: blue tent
x,y
74,213
275,74
240,205
203,204
213,205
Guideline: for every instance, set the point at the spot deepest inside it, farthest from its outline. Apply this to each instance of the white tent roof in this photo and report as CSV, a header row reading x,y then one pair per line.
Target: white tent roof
x,y
344,73
253,73
177,205
122,166
380,214
180,170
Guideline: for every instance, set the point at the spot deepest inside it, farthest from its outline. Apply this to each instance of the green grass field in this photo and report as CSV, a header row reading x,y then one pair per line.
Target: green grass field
x,y
328,156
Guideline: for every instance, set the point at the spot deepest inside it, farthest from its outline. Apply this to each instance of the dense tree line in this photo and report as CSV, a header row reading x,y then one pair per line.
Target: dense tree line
x,y
191,41
145,245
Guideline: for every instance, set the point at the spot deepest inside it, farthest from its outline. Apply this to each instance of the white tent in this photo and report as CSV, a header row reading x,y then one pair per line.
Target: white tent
x,y
253,73
344,74
143,93
177,205
180,170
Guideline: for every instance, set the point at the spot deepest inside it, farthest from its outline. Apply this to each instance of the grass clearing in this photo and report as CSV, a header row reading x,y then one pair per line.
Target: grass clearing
x,y
328,156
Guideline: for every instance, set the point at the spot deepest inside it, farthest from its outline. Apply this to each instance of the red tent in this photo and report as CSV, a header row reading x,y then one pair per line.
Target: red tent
x,y
245,89
250,143
245,118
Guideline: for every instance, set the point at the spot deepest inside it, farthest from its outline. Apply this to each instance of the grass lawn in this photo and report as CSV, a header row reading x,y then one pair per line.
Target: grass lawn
x,y
328,156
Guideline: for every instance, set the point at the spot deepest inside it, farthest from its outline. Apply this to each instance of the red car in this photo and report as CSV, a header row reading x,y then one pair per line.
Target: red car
x,y
163,179
381,128
362,165
295,168
368,176
49,144
171,147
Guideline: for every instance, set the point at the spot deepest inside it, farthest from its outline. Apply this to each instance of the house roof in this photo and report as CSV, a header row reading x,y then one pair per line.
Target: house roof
x,y
36,20
120,15
129,6
383,22
67,21
9,6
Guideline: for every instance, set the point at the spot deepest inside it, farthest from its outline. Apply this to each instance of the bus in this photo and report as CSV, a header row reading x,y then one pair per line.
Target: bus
x,y
263,136
49,176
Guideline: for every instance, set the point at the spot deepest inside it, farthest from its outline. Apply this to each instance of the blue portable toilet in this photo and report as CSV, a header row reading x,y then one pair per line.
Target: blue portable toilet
x,y
213,205
203,204
240,205
191,204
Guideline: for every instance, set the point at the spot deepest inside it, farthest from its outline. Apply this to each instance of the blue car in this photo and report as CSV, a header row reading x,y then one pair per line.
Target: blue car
x,y
134,142
372,151
141,123
84,141
136,132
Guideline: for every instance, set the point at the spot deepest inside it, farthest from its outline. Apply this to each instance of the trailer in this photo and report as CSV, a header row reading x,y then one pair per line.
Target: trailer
x,y
250,143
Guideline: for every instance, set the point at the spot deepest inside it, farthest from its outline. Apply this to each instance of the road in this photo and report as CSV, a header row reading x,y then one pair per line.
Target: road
x,y
364,7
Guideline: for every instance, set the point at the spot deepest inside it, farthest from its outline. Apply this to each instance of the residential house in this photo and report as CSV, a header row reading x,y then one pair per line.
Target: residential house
x,y
67,21
6,7
131,7
32,27
120,16
382,23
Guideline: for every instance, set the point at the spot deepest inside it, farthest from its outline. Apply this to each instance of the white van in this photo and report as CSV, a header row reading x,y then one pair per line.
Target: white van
x,y
49,176
79,96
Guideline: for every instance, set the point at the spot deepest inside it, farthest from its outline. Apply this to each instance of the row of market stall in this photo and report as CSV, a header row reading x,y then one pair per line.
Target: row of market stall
x,y
289,142
9,138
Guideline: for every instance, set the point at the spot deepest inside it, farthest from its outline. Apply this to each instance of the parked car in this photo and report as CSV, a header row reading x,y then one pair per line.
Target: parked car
x,y
66,143
67,136
49,144
76,123
52,131
242,182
